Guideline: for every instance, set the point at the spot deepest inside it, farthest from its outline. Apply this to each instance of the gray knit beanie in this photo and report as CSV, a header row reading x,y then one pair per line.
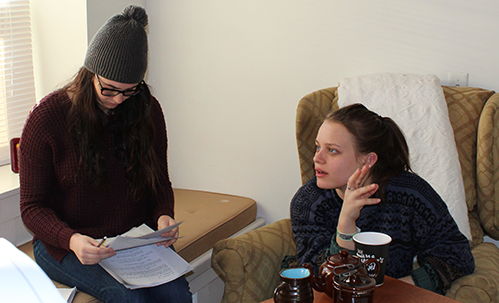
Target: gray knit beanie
x,y
118,51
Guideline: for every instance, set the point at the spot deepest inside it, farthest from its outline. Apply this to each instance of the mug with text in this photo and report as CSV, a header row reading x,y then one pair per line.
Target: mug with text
x,y
373,245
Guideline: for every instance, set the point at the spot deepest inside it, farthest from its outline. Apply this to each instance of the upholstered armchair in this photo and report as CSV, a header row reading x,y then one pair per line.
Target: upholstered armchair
x,y
250,264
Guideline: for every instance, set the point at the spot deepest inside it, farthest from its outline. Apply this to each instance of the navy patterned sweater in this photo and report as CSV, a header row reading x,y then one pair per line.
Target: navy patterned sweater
x,y
412,213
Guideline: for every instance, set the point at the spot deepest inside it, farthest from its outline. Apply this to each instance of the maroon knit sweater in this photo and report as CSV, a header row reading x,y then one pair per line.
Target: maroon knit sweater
x,y
55,204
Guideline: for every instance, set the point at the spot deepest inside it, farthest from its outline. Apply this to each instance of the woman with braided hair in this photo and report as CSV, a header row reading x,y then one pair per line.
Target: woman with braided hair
x,y
363,181
94,164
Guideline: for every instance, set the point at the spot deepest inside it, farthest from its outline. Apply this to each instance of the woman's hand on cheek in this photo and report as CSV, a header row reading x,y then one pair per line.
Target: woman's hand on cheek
x,y
357,196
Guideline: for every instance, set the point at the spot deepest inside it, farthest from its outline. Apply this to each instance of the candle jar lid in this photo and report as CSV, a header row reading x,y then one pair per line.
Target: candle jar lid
x,y
353,284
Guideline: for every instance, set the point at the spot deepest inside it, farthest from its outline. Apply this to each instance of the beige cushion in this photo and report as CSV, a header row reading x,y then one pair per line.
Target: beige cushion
x,y
208,217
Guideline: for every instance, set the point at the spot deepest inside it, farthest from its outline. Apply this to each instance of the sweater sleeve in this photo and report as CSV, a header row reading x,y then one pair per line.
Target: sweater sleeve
x,y
37,149
443,263
426,277
444,252
164,204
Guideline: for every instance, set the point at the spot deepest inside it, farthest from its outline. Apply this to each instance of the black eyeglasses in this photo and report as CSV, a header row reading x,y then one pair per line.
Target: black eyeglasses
x,y
109,92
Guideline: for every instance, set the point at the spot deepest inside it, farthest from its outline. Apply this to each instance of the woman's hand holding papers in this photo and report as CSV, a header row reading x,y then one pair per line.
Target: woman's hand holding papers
x,y
85,248
165,221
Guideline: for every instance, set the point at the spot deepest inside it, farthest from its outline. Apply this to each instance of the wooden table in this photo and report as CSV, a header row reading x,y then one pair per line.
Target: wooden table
x,y
393,291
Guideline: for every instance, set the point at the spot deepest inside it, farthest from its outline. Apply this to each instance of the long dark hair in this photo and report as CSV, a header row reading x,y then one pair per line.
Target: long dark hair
x,y
135,136
373,133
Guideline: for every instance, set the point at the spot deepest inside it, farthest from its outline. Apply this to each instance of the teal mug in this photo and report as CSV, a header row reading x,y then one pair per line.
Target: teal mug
x,y
295,287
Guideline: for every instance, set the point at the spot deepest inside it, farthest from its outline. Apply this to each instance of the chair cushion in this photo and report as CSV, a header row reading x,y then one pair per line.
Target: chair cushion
x,y
207,218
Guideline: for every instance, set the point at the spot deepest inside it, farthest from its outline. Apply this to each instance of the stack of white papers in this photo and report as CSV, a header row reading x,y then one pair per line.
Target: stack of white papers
x,y
138,265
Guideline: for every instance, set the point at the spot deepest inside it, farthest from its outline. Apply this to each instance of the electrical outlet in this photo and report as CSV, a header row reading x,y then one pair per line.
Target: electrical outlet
x,y
457,79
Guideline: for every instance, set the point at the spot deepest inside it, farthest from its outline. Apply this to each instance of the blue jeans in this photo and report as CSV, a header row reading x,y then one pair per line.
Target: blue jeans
x,y
95,281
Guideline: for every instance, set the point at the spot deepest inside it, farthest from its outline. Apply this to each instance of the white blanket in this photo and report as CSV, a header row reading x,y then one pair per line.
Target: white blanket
x,y
417,104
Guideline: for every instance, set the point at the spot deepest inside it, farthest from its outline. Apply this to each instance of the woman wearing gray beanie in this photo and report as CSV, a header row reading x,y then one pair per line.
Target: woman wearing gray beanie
x,y
93,164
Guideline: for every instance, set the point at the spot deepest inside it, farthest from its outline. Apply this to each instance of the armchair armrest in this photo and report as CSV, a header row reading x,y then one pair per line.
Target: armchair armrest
x,y
482,285
250,263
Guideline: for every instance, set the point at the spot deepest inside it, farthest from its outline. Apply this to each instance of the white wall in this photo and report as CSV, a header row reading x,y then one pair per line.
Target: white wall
x,y
230,73
59,42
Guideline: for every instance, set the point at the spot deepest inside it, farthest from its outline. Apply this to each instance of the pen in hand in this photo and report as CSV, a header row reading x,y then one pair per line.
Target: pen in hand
x,y
102,241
